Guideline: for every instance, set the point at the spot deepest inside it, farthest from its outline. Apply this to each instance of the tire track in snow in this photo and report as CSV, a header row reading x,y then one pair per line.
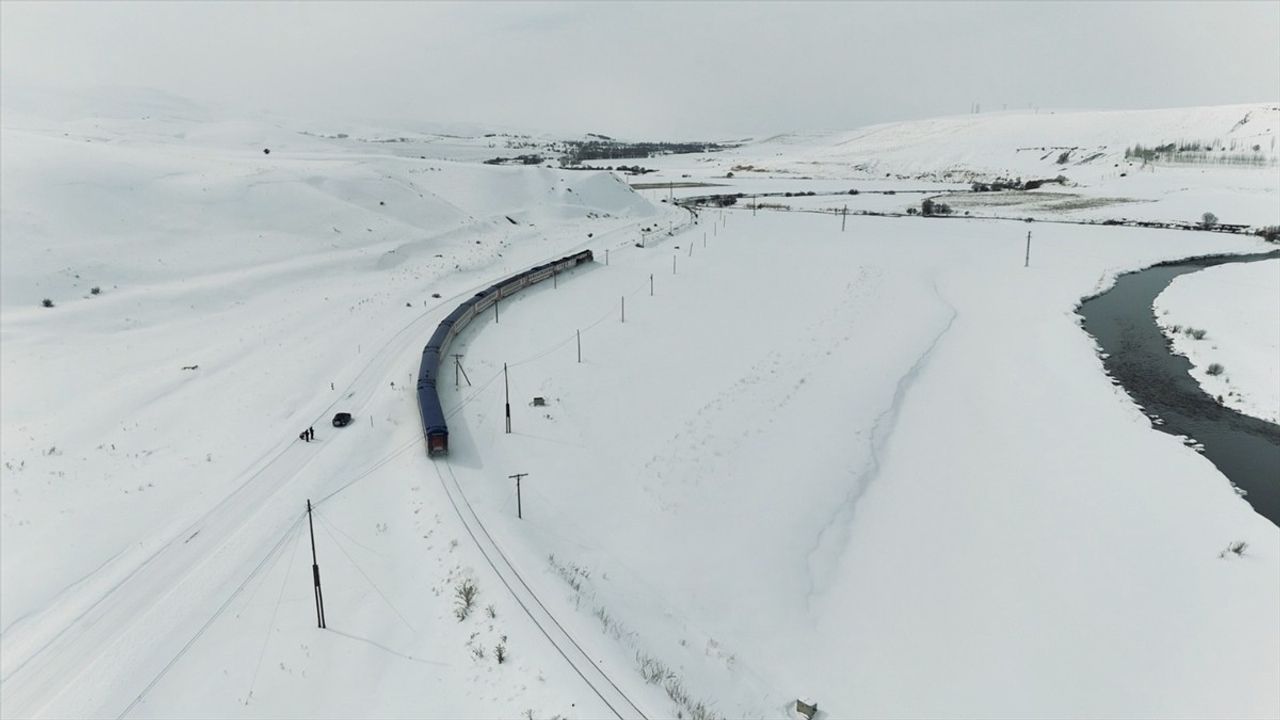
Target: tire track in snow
x,y
830,542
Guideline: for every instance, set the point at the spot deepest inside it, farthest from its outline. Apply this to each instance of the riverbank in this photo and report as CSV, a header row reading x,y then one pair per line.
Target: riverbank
x,y
1136,354
1226,321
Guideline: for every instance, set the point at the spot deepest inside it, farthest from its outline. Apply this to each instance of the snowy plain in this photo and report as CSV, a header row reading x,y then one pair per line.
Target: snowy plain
x,y
1238,307
1087,148
880,467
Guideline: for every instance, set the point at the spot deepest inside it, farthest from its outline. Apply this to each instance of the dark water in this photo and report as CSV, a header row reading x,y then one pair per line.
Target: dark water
x,y
1245,449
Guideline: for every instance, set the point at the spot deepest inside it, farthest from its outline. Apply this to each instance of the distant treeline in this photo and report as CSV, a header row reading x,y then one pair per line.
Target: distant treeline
x,y
577,151
517,160
1235,152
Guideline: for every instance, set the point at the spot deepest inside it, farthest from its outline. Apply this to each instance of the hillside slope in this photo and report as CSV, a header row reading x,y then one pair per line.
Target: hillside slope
x,y
1152,165
1088,144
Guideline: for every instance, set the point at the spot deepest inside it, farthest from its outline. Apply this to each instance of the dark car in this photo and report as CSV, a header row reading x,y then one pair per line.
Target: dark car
x,y
342,419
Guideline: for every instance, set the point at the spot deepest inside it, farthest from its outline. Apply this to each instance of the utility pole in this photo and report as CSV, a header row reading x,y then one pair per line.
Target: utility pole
x,y
606,256
755,202
519,510
1026,262
315,570
495,311
555,279
457,368
624,308
507,389
579,333
844,215
690,249
650,284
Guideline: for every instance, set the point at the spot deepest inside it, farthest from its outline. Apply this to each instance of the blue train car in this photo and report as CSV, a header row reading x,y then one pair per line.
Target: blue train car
x,y
434,428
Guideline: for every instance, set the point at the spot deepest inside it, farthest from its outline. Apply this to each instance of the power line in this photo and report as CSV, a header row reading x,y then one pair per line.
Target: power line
x,y
532,594
271,626
217,614
324,526
520,601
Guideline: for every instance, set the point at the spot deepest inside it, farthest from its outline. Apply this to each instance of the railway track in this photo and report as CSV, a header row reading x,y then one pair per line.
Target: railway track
x,y
592,674
123,626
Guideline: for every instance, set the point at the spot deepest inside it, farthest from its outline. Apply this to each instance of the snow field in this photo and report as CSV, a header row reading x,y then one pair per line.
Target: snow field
x,y
952,151
1238,308
881,468
138,496
1016,143
864,490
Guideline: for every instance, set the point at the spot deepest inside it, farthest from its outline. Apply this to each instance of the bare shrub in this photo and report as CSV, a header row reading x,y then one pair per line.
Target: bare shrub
x,y
652,669
1236,548
675,691
603,616
464,594
700,711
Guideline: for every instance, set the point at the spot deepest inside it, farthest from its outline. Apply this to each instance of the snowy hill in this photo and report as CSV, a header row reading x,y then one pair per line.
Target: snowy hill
x,y
108,200
1031,144
1149,165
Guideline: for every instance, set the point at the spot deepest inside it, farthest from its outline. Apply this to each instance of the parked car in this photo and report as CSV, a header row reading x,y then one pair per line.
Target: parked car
x,y
342,419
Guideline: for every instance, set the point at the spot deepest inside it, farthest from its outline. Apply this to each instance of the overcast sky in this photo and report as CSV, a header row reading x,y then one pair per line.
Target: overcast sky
x,y
653,69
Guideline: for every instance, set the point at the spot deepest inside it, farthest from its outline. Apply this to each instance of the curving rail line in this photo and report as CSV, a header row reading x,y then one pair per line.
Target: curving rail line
x,y
434,427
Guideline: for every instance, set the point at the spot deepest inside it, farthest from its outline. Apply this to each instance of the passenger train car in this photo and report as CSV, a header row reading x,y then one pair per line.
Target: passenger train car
x,y
434,427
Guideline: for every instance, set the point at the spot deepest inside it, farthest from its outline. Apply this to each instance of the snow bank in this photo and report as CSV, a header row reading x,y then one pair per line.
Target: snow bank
x,y
1238,309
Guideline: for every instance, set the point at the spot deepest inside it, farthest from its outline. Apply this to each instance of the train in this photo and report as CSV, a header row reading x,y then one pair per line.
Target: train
x,y
435,429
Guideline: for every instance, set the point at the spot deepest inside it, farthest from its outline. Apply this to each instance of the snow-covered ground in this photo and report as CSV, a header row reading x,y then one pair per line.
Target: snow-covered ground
x,y
1086,145
1087,148
242,297
1238,308
879,467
